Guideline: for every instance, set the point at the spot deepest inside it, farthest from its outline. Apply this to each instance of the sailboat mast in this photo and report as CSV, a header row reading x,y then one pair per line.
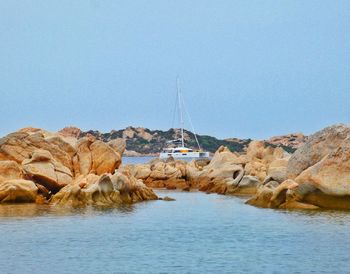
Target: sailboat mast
x,y
180,111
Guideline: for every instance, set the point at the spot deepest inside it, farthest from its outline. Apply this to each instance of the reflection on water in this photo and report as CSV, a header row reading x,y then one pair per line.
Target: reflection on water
x,y
34,210
197,233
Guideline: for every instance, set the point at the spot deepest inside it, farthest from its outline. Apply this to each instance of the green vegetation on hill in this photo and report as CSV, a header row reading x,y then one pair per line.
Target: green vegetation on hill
x,y
146,141
157,139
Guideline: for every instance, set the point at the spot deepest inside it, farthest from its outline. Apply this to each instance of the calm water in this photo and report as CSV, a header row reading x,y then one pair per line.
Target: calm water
x,y
197,233
137,160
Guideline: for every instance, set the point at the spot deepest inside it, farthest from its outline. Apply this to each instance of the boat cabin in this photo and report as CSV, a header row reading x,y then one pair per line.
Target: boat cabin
x,y
177,150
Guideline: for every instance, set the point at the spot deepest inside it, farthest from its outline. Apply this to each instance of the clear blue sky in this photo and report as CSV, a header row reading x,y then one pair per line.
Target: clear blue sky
x,y
248,68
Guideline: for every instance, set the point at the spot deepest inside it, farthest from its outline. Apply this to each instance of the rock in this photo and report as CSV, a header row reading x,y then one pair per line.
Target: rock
x,y
279,195
104,190
104,158
322,169
95,157
247,186
82,161
317,147
277,169
265,160
19,146
331,175
70,132
294,140
10,170
263,195
17,191
45,170
219,175
168,199
118,145
140,171
67,147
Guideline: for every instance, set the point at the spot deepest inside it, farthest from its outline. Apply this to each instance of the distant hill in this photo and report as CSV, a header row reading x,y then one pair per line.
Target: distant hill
x,y
145,141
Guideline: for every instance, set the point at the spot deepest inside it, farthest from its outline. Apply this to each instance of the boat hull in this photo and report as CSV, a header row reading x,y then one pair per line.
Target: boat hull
x,y
176,155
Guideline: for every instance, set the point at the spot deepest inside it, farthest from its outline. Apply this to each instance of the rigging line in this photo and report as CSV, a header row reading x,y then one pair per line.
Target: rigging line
x,y
174,113
191,124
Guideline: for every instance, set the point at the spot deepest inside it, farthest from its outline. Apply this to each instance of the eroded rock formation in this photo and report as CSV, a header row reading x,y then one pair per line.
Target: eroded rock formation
x,y
35,164
318,174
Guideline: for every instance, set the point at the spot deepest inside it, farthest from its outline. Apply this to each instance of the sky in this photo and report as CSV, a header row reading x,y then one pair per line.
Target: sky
x,y
248,69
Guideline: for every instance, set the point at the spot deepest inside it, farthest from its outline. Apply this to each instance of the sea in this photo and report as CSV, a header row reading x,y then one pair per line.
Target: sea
x,y
196,233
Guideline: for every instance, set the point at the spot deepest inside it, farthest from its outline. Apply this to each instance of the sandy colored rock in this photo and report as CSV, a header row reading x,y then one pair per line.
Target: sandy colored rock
x,y
67,147
263,195
95,157
17,191
104,158
19,146
293,140
45,170
104,190
247,186
70,132
140,171
220,174
277,169
317,147
82,161
279,195
331,175
118,145
10,170
168,199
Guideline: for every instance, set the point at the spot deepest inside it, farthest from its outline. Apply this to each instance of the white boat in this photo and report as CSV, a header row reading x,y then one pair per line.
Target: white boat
x,y
182,151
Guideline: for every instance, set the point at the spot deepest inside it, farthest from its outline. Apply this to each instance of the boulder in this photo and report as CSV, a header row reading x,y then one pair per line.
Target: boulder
x,y
104,158
11,170
19,146
95,157
17,191
220,174
277,169
247,186
317,147
263,195
118,145
43,169
82,161
170,174
104,190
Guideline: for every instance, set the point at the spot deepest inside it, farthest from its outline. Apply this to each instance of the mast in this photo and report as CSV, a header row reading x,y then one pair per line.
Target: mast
x,y
180,110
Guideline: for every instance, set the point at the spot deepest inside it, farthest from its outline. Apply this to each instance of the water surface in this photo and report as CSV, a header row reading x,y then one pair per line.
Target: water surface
x,y
197,233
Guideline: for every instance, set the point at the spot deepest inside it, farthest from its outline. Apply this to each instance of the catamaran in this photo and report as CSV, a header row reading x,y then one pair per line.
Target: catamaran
x,y
180,150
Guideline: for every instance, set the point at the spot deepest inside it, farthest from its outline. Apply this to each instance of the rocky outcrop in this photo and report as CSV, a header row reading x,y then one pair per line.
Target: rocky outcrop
x,y
168,174
43,169
318,172
222,173
96,157
17,191
105,190
317,147
226,173
20,145
231,173
10,170
70,132
118,145
293,140
50,161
